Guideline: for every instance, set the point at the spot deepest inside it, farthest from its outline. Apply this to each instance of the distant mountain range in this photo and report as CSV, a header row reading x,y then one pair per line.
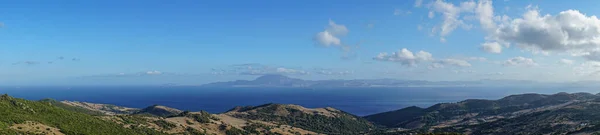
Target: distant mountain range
x,y
284,81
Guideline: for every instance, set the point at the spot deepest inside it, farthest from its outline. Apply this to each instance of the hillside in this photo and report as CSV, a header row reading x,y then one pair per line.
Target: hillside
x,y
264,119
158,110
475,110
560,113
576,118
19,115
205,123
105,109
515,114
320,120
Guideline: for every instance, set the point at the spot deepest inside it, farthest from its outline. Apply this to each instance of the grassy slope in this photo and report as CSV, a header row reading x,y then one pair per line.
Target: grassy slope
x,y
445,111
14,110
562,121
71,108
344,123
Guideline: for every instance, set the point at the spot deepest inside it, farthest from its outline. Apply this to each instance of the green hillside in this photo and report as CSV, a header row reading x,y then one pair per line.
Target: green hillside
x,y
340,123
415,117
16,111
71,108
582,117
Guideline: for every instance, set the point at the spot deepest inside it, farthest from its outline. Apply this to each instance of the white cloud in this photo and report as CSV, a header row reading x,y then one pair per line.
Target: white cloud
x,y
431,14
329,72
408,58
425,56
258,69
26,63
336,29
586,68
467,6
463,71
153,72
451,15
217,73
435,66
491,47
565,61
291,71
520,61
405,57
592,55
255,72
485,13
569,31
418,3
326,39
476,59
592,64
331,34
494,74
401,12
454,62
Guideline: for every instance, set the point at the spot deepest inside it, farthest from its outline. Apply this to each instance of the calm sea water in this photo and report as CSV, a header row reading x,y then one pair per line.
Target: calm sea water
x,y
358,101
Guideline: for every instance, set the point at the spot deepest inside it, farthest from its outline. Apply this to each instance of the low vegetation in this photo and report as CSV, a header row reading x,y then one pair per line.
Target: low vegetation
x,y
342,124
518,114
165,124
201,117
415,117
15,111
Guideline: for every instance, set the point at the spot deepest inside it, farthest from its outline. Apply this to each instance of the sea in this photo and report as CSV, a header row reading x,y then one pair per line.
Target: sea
x,y
358,101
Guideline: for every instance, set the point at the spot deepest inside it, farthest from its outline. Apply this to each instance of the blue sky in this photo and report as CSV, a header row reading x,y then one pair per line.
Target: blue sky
x,y
194,42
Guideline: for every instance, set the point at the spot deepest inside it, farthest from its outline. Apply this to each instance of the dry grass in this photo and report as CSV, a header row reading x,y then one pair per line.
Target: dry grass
x,y
36,128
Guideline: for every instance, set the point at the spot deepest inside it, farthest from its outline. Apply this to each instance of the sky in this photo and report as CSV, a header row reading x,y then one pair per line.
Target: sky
x,y
154,42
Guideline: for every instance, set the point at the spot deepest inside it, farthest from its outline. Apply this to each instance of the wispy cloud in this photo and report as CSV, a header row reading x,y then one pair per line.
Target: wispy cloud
x,y
260,69
257,69
520,61
35,62
150,73
26,63
329,71
405,57
399,12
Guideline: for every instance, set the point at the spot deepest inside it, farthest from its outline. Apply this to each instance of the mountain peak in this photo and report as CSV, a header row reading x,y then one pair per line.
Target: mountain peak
x,y
286,109
159,110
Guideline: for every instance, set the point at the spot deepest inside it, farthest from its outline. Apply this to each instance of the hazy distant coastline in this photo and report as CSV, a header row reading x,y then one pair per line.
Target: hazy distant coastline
x,y
280,81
